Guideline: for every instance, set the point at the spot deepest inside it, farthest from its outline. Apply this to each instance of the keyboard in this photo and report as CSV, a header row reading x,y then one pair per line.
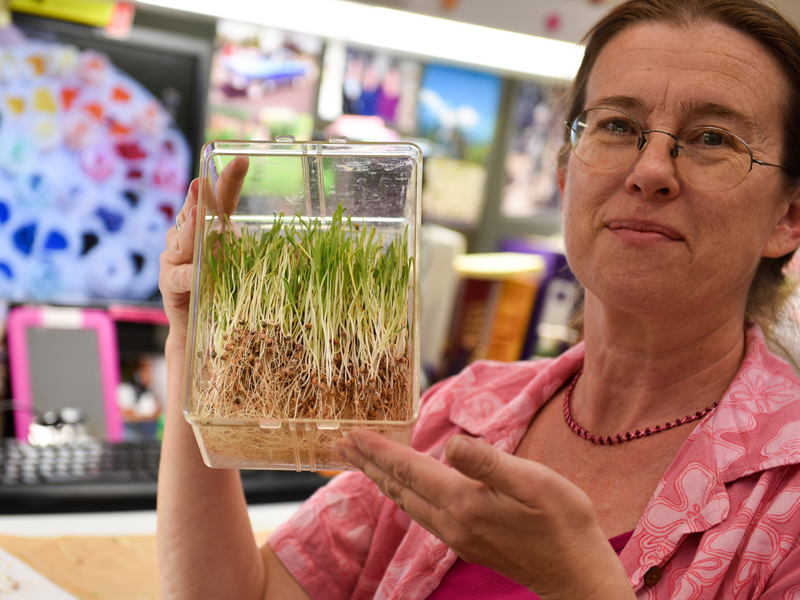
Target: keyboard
x,y
101,476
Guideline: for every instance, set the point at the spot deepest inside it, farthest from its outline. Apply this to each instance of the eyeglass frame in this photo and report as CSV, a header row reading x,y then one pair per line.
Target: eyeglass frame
x,y
643,141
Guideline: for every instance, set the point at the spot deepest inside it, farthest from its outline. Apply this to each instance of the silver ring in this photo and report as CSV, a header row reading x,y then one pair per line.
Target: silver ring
x,y
177,225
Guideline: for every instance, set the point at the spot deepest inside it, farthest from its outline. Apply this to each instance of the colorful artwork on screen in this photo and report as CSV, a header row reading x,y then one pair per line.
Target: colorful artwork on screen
x,y
92,173
457,112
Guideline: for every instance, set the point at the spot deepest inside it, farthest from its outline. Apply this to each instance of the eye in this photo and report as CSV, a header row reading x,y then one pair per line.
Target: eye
x,y
712,140
618,126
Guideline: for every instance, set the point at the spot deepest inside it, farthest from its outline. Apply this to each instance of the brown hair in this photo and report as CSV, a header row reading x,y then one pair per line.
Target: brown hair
x,y
757,20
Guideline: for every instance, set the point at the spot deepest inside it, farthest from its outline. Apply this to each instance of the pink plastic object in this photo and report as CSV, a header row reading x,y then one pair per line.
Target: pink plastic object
x,y
25,317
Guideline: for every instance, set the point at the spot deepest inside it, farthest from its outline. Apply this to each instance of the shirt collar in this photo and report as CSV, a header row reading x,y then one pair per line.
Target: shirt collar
x,y
755,427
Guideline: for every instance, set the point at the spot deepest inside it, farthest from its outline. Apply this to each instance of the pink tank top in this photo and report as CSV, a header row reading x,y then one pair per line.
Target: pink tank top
x,y
465,581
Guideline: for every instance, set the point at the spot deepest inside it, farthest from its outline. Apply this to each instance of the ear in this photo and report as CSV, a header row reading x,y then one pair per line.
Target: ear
x,y
785,237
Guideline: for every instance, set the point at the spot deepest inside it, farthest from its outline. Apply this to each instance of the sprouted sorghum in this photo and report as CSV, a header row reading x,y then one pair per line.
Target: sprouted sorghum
x,y
304,320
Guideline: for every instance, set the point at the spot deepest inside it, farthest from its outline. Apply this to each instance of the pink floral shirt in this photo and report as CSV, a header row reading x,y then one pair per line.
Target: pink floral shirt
x,y
723,523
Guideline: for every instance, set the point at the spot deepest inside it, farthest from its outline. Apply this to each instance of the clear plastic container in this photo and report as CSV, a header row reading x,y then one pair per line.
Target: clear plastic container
x,y
304,307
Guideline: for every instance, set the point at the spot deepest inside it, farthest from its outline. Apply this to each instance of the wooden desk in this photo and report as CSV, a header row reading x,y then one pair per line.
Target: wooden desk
x,y
104,556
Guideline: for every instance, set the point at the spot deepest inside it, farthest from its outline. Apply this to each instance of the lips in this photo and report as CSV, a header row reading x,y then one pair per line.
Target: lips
x,y
644,227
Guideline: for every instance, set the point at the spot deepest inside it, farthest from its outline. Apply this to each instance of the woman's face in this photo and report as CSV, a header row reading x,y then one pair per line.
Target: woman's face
x,y
639,238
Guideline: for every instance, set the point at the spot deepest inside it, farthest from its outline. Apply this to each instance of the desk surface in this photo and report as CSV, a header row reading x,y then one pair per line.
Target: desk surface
x,y
98,556
264,517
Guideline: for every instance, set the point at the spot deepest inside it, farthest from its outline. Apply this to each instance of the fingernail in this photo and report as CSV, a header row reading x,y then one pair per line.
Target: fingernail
x,y
338,447
193,212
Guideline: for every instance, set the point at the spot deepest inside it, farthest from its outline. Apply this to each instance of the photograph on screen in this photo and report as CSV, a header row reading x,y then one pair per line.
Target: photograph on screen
x,y
370,85
263,83
536,135
457,112
93,170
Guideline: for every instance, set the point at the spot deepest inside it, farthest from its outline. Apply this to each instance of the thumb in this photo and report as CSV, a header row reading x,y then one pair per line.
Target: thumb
x,y
506,473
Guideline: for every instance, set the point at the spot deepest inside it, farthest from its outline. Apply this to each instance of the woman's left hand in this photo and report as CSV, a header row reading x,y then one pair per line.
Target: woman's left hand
x,y
510,514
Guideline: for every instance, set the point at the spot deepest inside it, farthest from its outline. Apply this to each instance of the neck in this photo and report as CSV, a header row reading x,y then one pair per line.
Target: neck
x,y
641,372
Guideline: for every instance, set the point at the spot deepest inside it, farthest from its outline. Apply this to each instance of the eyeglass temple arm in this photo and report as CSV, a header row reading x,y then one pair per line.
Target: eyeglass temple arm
x,y
766,164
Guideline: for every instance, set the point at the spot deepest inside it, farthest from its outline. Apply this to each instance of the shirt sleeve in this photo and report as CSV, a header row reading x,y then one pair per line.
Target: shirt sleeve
x,y
325,543
330,541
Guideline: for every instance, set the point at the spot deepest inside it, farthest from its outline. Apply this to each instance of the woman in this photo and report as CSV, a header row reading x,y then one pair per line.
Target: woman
x,y
670,431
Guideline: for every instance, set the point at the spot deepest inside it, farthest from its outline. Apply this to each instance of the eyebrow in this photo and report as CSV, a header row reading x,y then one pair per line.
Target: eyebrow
x,y
695,108
621,102
689,108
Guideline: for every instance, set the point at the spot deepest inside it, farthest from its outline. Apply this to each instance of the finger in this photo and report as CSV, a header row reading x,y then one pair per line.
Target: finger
x,y
508,474
189,202
229,186
399,470
407,499
180,245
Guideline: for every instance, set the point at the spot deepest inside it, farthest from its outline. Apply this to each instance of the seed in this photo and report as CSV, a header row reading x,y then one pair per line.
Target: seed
x,y
312,412
213,354
224,357
200,354
307,326
402,359
372,413
314,381
270,341
228,346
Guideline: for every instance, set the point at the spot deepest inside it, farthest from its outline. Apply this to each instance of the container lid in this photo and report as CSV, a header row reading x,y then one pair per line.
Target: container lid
x,y
499,265
313,178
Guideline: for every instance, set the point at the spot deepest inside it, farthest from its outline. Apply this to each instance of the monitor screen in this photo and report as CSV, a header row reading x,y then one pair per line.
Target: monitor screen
x,y
457,113
263,83
535,136
99,139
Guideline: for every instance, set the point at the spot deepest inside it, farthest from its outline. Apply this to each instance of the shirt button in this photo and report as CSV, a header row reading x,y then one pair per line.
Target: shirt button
x,y
653,576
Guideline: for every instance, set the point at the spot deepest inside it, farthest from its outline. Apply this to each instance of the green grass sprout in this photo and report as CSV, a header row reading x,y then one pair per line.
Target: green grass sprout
x,y
307,319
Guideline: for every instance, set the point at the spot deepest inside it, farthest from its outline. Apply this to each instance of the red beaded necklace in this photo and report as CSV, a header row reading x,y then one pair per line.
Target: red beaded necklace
x,y
623,437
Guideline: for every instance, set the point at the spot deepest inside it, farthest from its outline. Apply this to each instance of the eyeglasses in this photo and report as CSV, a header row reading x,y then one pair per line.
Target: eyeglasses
x,y
708,158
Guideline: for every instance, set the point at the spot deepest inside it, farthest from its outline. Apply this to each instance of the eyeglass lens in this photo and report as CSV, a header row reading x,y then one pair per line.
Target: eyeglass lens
x,y
708,158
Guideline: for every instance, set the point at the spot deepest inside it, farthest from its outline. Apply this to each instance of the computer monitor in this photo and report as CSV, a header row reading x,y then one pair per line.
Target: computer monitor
x,y
99,138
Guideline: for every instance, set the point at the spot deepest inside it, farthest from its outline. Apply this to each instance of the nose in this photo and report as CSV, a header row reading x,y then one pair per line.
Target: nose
x,y
654,174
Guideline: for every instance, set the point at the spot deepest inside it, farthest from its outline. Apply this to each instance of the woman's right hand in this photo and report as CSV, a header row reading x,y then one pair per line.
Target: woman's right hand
x,y
175,279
